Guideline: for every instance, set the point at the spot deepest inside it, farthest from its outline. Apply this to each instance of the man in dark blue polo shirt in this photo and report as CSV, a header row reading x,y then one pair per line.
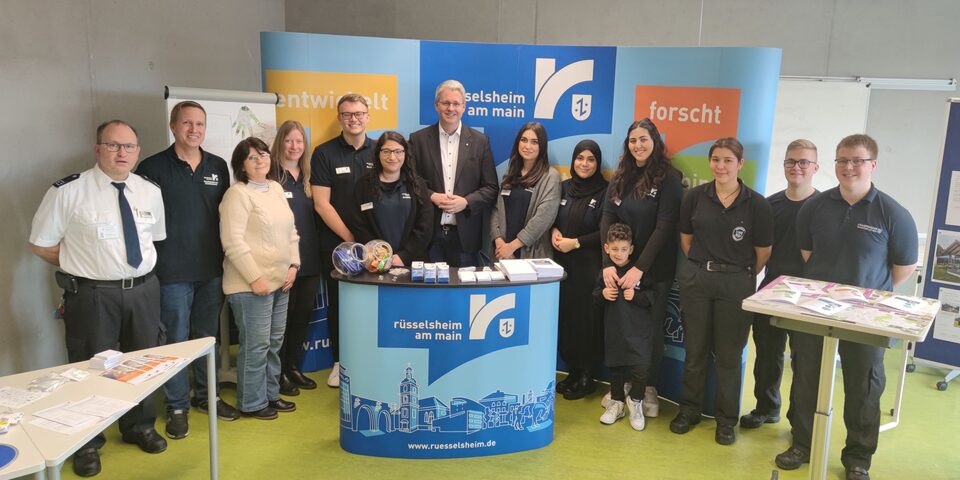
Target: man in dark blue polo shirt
x,y
856,235
336,165
190,261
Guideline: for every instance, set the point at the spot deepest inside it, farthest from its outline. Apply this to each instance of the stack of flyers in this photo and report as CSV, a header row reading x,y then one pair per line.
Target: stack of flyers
x,y
804,287
779,294
905,304
843,293
138,369
824,306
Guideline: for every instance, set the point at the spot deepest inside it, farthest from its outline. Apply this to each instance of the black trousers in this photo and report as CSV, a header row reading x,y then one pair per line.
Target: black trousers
x,y
446,247
303,300
658,312
770,343
635,374
713,322
333,302
99,318
864,379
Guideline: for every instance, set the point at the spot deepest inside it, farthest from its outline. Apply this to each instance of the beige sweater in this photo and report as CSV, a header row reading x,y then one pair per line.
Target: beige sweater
x,y
258,235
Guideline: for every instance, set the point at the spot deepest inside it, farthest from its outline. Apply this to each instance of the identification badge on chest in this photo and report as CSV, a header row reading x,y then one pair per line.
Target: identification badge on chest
x,y
108,231
343,170
593,203
563,202
144,216
405,196
366,206
505,193
287,194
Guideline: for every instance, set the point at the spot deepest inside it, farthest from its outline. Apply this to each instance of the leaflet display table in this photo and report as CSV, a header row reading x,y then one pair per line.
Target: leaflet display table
x,y
863,322
446,370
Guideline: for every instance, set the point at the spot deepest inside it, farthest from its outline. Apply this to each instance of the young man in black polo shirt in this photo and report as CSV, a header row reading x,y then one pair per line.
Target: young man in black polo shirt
x,y
856,235
799,166
190,260
336,165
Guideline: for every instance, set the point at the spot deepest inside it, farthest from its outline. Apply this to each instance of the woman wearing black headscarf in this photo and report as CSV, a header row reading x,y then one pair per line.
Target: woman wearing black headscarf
x,y
576,242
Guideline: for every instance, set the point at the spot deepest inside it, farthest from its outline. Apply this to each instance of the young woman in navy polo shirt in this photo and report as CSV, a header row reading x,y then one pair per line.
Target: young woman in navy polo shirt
x,y
726,232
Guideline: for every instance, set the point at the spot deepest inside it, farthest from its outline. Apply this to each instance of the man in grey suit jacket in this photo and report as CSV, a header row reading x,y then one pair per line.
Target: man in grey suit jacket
x,y
457,164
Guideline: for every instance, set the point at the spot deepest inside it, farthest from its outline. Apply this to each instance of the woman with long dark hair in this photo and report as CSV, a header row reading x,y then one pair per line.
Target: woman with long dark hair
x,y
528,200
645,193
392,203
576,242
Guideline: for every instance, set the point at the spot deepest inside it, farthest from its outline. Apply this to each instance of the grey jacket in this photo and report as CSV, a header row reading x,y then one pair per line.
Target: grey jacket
x,y
535,234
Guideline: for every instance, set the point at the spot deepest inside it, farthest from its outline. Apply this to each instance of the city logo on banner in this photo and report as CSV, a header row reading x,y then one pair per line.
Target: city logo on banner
x,y
311,98
455,325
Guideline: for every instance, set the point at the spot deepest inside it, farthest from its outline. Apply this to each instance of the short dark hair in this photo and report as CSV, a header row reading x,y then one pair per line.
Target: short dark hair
x,y
175,111
240,154
103,126
618,232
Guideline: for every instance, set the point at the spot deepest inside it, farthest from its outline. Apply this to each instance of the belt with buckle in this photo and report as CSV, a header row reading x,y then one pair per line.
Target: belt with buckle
x,y
712,266
448,228
125,284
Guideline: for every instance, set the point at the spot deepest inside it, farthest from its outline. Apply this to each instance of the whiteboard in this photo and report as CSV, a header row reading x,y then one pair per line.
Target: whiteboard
x,y
821,111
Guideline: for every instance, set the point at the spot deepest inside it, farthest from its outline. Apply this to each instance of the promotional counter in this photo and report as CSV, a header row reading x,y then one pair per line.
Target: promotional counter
x,y
446,370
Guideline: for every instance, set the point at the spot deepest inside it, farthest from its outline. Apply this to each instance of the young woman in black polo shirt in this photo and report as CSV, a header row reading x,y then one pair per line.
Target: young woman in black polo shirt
x,y
576,243
726,232
291,168
645,193
392,203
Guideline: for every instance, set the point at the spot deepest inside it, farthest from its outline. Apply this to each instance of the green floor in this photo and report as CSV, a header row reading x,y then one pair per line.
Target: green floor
x,y
304,444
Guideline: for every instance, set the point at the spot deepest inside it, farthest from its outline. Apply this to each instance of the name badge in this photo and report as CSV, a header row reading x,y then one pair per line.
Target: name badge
x,y
529,189
564,202
593,203
145,216
366,206
617,202
108,231
369,164
405,196
652,192
505,193
343,170
287,194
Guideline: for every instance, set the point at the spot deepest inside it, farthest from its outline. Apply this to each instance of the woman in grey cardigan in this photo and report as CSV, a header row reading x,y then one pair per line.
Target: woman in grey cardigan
x,y
529,198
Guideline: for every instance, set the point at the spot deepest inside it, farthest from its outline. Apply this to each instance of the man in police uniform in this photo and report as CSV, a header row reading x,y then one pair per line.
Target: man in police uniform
x,y
857,235
336,165
799,166
190,260
99,227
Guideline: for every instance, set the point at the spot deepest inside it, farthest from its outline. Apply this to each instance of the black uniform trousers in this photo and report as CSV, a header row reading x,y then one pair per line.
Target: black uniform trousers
x,y
658,311
333,302
713,322
770,342
302,301
864,379
99,318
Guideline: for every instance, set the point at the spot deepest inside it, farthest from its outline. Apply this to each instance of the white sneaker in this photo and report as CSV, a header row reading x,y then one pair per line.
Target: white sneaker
x,y
334,379
651,403
636,414
605,401
614,412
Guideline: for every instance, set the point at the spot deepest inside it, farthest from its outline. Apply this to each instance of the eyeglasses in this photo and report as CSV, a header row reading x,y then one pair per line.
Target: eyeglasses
x,y
451,104
386,152
115,147
262,156
856,162
802,163
349,115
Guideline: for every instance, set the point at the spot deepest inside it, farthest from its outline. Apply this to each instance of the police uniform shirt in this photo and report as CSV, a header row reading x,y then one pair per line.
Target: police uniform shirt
x,y
82,214
726,235
337,165
856,244
307,222
192,251
785,258
516,203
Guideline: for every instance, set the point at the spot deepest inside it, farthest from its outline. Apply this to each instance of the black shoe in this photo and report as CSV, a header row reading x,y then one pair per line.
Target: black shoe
x,y
792,458
301,380
177,426
725,435
287,387
682,423
149,440
756,419
225,411
583,386
282,405
858,473
86,462
265,413
564,385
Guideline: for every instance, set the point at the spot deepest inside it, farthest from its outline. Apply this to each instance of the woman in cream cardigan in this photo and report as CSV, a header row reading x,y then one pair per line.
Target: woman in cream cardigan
x,y
262,257
529,198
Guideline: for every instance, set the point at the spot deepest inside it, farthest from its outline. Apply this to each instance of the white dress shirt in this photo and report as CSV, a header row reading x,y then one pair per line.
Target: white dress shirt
x,y
449,151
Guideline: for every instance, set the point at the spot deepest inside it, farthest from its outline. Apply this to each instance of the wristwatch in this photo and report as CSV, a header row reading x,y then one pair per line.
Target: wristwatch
x,y
576,243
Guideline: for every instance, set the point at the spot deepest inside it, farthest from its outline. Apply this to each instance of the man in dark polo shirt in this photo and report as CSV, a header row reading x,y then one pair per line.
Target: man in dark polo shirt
x,y
336,165
799,166
857,235
190,260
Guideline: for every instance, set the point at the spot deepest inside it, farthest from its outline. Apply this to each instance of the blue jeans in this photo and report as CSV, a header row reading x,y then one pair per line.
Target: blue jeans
x,y
261,321
190,310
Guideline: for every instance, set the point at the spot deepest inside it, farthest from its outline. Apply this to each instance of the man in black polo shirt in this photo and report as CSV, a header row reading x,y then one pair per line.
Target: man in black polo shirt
x,y
799,166
190,260
336,166
857,235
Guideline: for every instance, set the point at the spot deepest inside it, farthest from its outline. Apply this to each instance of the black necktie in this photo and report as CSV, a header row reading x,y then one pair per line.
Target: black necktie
x,y
130,238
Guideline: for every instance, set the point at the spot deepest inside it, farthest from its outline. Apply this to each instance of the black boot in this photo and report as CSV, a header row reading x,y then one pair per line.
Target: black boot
x,y
566,383
583,386
287,387
301,380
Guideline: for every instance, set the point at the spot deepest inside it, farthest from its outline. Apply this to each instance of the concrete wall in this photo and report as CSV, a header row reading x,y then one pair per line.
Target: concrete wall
x,y
66,66
870,38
